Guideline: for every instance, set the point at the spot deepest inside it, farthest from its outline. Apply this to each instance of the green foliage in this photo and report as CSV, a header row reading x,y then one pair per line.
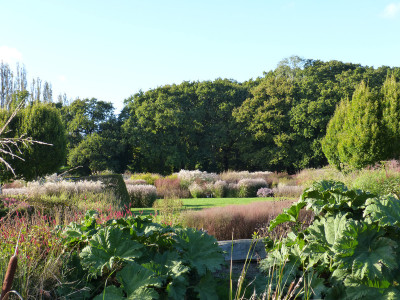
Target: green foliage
x,y
148,177
41,122
187,126
114,183
364,131
351,248
355,135
136,259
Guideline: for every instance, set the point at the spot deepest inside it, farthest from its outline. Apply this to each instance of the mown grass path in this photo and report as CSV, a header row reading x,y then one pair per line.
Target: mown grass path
x,y
200,203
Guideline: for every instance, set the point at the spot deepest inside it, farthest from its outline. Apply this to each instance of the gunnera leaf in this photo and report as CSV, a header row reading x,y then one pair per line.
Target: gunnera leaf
x,y
363,250
111,293
207,288
289,215
322,237
200,250
370,289
138,282
107,246
385,210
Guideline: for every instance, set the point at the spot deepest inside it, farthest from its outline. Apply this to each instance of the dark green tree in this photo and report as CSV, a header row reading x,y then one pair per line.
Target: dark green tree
x,y
361,139
41,122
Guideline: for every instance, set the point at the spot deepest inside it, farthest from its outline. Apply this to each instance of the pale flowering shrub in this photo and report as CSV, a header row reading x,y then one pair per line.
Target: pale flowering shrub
x,y
199,190
249,187
236,176
142,195
36,188
265,192
219,188
14,192
188,177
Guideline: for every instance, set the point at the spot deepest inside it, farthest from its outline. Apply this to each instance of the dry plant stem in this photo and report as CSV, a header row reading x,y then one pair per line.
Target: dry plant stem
x,y
12,267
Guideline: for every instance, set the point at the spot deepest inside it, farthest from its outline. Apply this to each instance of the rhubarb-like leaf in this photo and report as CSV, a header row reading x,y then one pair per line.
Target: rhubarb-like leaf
x,y
138,282
108,246
364,250
385,210
111,293
200,250
289,215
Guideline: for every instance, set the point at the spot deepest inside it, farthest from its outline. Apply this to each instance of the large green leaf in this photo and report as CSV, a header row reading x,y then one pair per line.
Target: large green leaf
x,y
206,288
138,282
370,289
363,249
108,246
333,197
111,293
289,215
322,237
385,210
200,250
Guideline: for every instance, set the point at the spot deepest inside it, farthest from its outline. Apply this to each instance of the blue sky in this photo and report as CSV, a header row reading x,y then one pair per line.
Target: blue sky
x,y
112,49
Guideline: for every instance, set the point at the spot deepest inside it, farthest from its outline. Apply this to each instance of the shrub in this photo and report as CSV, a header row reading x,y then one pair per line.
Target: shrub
x,y
232,190
170,187
114,183
142,195
249,187
265,192
199,190
236,176
188,177
150,178
219,189
380,181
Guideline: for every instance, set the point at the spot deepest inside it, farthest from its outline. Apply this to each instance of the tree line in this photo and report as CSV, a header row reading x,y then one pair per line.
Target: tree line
x,y
276,122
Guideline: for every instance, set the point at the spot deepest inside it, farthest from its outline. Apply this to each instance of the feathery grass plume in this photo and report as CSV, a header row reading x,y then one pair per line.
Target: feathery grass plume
x,y
142,195
170,187
188,177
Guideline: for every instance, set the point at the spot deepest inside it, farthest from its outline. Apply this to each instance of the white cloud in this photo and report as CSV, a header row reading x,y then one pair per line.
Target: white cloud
x,y
391,10
9,55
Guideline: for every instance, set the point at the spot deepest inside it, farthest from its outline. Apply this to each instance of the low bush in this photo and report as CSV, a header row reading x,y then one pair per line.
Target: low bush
x,y
232,190
150,178
265,192
188,177
170,187
219,189
115,184
142,195
199,190
380,181
241,220
249,187
236,176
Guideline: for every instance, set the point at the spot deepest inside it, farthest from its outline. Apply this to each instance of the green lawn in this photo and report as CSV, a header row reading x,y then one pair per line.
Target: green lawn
x,y
200,203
